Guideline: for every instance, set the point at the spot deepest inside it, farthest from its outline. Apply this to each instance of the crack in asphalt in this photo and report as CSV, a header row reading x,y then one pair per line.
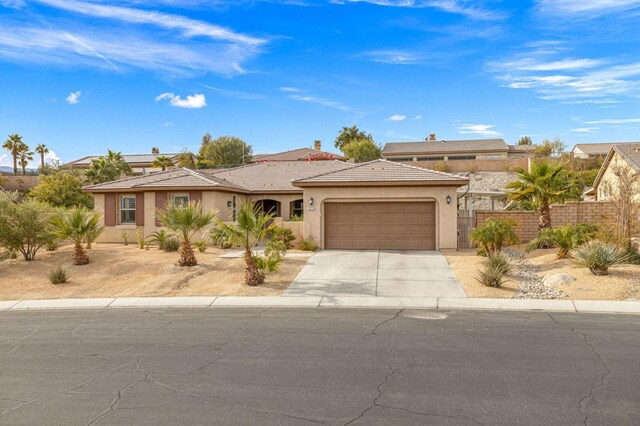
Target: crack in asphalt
x,y
373,332
18,342
602,380
245,325
420,413
374,403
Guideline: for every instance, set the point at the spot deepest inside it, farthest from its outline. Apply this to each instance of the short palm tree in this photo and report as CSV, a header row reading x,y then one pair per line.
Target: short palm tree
x,y
493,235
42,150
77,224
15,145
544,185
25,157
163,162
186,220
252,226
565,238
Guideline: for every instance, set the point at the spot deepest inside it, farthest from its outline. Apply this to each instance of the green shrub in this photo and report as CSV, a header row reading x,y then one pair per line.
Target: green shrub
x,y
200,245
308,244
160,237
140,239
171,244
52,244
125,238
268,263
285,235
220,238
599,256
565,238
296,218
493,235
58,275
494,268
634,255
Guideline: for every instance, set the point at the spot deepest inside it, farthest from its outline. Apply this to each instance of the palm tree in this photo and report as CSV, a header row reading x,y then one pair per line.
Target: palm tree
x,y
117,160
544,185
251,227
109,167
77,224
15,145
43,150
186,220
163,162
25,157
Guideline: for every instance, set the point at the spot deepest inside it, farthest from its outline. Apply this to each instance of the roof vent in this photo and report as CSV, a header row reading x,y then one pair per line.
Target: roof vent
x,y
432,137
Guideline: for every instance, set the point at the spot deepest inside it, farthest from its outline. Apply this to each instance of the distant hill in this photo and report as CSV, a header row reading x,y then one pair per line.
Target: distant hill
x,y
7,169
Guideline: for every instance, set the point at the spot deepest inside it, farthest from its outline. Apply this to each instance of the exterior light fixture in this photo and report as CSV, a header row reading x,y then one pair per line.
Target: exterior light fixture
x,y
448,199
229,203
310,201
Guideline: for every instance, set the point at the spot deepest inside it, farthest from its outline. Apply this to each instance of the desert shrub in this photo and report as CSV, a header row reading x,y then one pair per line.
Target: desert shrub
x,y
172,244
268,263
599,257
564,238
58,275
493,235
284,235
52,243
308,244
633,254
296,218
13,254
442,166
494,268
160,238
200,245
220,238
140,239
125,238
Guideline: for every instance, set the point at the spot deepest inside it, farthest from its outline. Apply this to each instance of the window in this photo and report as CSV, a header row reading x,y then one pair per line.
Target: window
x,y
462,157
430,158
180,199
127,208
297,208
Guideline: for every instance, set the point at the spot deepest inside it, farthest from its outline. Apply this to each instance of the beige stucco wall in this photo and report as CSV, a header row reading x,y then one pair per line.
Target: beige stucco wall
x,y
609,179
446,214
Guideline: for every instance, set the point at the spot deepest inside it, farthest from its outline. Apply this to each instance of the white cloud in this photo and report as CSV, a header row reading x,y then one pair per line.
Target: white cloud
x,y
614,121
586,8
397,117
396,57
478,129
457,7
417,117
74,97
296,94
191,101
584,129
290,89
531,64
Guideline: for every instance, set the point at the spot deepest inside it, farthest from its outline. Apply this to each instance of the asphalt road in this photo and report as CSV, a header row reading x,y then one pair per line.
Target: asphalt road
x,y
304,366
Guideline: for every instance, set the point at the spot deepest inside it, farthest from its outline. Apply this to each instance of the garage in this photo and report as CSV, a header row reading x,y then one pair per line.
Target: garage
x,y
394,225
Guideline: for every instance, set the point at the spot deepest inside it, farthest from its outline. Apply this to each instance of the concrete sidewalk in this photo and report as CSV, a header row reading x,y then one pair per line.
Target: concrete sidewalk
x,y
445,303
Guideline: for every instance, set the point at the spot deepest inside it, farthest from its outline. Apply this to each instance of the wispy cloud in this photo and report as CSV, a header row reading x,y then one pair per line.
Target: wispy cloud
x,y
478,129
73,97
614,121
300,95
417,117
457,7
396,57
397,117
191,101
235,93
584,129
586,8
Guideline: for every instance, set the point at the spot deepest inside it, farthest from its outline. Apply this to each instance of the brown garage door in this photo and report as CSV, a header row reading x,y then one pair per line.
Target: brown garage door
x,y
380,225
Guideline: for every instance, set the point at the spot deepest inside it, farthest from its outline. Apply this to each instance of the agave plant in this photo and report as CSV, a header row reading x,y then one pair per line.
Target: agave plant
x,y
185,221
252,226
77,224
565,238
598,257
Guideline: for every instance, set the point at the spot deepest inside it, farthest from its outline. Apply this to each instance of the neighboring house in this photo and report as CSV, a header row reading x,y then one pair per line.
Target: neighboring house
x,y
19,183
140,163
626,156
486,191
374,205
443,150
593,150
301,154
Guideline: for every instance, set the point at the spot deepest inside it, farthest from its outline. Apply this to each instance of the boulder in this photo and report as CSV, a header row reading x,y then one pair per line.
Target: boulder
x,y
554,279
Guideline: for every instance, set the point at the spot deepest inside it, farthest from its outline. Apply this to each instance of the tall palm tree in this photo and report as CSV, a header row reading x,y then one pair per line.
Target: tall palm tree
x,y
186,220
108,167
25,157
163,162
43,150
252,226
77,224
15,145
117,160
544,185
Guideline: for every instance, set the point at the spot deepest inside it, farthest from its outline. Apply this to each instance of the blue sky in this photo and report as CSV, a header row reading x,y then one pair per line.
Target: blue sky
x,y
83,76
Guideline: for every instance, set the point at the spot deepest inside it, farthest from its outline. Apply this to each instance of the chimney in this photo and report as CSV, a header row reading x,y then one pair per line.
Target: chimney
x,y
155,150
317,145
432,137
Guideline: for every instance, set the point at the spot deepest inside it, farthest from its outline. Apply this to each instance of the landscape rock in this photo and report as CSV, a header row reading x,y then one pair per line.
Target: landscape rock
x,y
530,284
555,279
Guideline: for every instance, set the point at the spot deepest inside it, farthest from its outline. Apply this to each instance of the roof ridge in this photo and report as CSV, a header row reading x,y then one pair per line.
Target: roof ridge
x,y
422,168
217,181
132,177
326,173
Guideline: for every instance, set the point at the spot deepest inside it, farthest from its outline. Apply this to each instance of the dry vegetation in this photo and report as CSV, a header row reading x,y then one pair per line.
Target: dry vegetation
x,y
121,271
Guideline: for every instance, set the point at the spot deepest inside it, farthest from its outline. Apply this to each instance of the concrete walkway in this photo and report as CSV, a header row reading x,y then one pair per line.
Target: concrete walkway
x,y
379,273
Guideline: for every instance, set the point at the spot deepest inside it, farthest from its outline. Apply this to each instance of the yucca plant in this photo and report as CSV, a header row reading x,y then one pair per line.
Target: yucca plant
x,y
172,244
75,224
58,275
185,221
564,238
493,235
201,246
252,226
599,257
494,268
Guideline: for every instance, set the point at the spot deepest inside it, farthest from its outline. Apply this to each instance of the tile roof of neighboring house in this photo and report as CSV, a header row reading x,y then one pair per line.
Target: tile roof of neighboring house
x,y
277,176
630,152
178,178
383,172
489,182
297,155
129,158
443,146
522,148
18,183
599,148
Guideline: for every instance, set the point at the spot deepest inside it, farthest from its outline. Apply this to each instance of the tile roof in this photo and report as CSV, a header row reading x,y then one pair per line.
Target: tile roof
x,y
277,176
443,146
297,155
631,153
18,183
129,158
383,171
177,178
599,148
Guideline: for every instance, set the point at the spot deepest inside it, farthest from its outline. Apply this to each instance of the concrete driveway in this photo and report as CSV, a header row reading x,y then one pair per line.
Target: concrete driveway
x,y
384,273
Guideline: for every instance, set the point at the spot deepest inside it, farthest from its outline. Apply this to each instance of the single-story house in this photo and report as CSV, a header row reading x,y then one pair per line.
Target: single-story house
x,y
140,163
19,183
300,154
374,205
593,150
625,156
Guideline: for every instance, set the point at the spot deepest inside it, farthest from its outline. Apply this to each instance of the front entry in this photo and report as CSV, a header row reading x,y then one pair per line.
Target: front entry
x,y
389,225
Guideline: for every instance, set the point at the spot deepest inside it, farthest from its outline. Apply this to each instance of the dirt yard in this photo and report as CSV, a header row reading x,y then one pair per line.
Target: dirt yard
x,y
622,283
120,271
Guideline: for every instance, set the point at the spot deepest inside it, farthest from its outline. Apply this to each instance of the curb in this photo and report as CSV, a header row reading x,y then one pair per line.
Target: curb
x,y
323,302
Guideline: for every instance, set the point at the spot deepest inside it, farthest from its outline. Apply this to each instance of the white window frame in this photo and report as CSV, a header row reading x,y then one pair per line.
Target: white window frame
x,y
121,209
175,195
